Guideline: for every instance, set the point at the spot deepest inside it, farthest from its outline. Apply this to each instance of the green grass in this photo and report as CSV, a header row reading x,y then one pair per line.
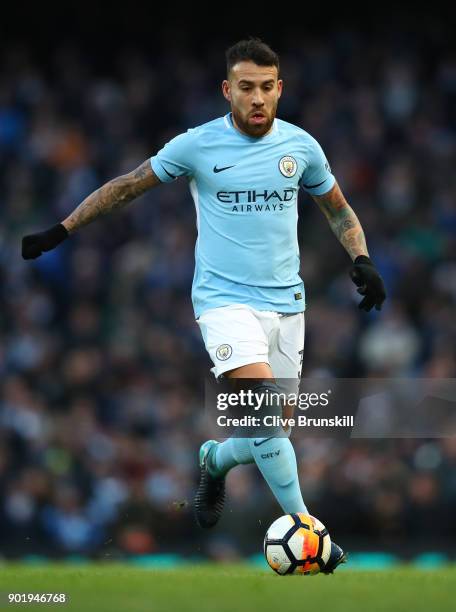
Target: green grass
x,y
230,588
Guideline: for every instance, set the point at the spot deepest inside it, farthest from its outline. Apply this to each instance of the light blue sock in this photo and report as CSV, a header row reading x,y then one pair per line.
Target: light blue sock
x,y
228,454
276,460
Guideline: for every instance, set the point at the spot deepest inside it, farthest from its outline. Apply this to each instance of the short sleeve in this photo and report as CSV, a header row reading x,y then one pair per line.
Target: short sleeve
x,y
176,158
317,178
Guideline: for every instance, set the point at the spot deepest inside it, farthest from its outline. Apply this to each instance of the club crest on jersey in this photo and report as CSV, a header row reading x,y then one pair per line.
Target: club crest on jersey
x,y
288,166
224,352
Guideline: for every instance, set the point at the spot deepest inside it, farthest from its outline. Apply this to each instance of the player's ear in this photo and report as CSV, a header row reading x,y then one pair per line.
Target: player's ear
x,y
279,87
226,89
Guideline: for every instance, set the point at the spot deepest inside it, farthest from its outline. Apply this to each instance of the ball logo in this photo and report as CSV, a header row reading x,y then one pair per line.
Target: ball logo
x,y
224,352
288,166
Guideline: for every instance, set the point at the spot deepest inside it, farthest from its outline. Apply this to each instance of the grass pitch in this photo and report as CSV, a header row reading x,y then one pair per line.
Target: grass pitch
x,y
229,588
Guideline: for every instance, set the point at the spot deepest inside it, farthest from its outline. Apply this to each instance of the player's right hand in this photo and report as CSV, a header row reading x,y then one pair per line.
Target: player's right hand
x,y
35,245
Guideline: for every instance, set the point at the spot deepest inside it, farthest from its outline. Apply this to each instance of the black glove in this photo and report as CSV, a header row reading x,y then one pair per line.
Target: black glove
x,y
369,283
34,244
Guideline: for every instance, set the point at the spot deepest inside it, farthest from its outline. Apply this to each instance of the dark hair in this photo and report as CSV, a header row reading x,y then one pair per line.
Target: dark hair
x,y
251,50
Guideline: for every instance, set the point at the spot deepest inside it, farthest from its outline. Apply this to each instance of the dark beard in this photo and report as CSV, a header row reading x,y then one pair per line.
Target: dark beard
x,y
255,131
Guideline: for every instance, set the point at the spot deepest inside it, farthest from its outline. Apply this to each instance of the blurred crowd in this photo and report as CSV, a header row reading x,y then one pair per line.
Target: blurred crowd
x,y
101,362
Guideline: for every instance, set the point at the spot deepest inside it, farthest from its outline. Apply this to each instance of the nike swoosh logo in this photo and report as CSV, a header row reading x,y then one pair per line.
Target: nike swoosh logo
x,y
222,169
255,443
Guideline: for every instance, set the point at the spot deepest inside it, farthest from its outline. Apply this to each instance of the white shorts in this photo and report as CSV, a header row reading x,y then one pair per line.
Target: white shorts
x,y
238,335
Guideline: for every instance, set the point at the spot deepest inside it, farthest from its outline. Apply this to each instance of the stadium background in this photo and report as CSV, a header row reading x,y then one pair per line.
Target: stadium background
x,y
100,359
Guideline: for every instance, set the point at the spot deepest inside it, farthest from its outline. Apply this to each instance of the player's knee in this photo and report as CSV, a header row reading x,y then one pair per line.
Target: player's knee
x,y
255,370
268,402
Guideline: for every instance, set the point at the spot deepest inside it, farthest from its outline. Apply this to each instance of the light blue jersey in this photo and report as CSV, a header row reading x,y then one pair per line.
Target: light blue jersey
x,y
245,191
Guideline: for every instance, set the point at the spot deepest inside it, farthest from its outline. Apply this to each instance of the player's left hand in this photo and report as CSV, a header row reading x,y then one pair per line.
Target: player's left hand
x,y
369,283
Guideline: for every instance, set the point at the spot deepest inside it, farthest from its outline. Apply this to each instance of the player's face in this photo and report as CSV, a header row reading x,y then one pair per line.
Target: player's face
x,y
253,92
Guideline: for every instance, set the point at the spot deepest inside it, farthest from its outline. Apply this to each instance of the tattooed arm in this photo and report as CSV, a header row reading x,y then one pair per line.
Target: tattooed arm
x,y
343,221
112,196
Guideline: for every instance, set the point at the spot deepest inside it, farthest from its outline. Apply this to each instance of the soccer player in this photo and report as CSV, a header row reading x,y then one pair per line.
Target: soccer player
x,y
244,171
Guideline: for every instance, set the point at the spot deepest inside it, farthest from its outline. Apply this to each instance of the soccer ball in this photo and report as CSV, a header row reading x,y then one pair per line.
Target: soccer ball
x,y
297,544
